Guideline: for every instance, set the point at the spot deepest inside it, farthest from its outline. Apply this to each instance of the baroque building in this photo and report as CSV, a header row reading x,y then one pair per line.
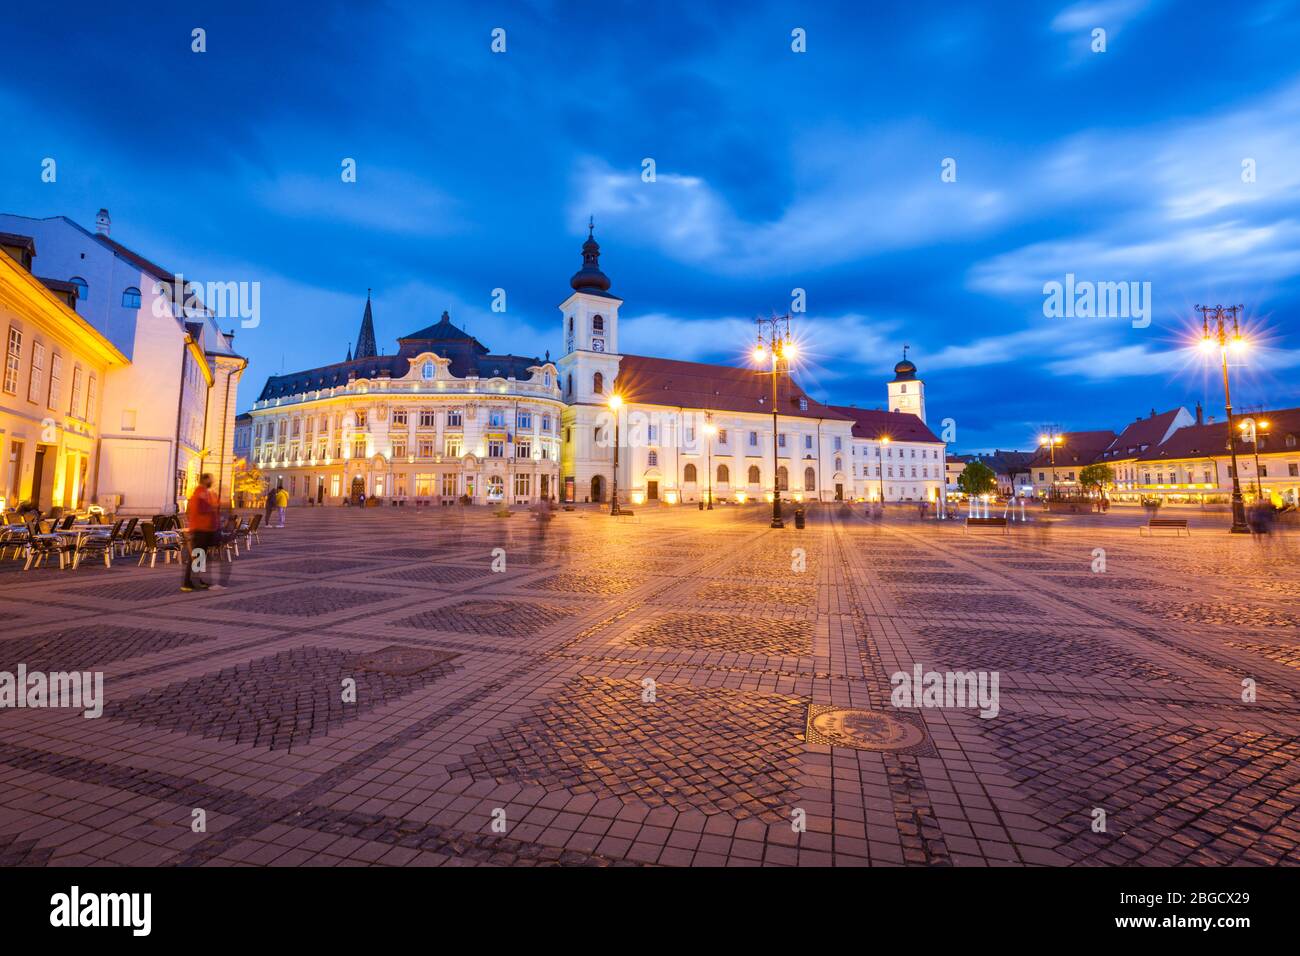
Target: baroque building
x,y
687,431
441,419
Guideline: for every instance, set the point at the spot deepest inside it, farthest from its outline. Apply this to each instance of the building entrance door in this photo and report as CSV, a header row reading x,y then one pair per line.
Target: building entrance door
x,y
358,489
597,488
38,477
839,491
652,490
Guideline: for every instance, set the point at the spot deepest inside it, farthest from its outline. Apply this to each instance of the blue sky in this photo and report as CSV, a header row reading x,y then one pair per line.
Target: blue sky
x,y
775,170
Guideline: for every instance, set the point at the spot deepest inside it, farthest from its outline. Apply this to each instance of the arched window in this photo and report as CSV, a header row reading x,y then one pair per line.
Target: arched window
x,y
568,385
598,383
427,371
782,479
598,323
652,459
83,290
724,474
1290,441
839,464
809,480
688,474
755,476
131,298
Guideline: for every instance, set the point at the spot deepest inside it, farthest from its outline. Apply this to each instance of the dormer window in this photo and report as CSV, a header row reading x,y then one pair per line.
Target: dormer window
x,y
426,371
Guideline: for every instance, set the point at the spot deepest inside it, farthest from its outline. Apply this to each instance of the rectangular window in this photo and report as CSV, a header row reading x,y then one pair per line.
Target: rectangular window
x,y
780,440
359,448
424,486
523,486
524,420
523,448
753,439
838,442
496,418
361,420
91,389
426,448
807,442
129,417
1292,470
652,433
546,423
455,419
335,484
74,407
427,418
722,436
496,448
399,416
453,446
37,380
449,485
399,448
13,360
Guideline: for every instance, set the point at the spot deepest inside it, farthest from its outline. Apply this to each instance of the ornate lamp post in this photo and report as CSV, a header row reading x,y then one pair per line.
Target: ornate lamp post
x,y
1253,428
709,431
880,469
1051,440
1217,337
615,403
774,340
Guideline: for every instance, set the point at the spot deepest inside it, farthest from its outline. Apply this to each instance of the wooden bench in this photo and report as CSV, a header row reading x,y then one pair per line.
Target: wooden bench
x,y
986,523
1176,525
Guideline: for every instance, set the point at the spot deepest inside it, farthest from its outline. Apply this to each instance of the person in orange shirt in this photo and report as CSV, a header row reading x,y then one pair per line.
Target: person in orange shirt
x,y
202,513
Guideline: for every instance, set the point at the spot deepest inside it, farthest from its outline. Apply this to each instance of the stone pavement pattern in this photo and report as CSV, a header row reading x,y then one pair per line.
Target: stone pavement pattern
x,y
638,692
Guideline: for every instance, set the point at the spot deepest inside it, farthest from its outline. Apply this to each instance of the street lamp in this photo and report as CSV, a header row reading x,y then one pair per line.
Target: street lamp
x,y
1254,428
615,403
1051,440
880,470
774,340
709,431
1218,338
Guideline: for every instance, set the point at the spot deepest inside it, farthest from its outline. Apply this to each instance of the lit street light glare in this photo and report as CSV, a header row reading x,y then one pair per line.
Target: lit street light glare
x,y
615,401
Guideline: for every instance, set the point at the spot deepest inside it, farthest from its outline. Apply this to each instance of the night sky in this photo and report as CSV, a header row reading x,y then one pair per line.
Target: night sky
x,y
775,170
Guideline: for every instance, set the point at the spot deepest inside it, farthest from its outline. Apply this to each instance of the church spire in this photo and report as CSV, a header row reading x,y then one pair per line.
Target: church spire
x,y
349,358
589,278
366,337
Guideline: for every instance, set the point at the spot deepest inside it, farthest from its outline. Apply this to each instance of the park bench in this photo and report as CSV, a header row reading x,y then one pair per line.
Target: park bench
x,y
986,523
1176,525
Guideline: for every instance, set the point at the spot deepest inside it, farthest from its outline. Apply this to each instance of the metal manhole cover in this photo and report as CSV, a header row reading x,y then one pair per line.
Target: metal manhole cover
x,y
831,726
402,661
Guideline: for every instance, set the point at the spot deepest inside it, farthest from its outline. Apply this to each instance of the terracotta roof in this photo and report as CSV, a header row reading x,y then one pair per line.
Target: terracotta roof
x,y
59,285
657,381
1204,441
872,423
1079,448
1140,435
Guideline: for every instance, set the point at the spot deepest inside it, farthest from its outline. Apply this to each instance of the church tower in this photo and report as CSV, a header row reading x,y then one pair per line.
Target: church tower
x,y
906,391
589,363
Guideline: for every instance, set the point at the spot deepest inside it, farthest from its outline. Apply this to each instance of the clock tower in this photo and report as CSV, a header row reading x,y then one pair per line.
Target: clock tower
x,y
588,369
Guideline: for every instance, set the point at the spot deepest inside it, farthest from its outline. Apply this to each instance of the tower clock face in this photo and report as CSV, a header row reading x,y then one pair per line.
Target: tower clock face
x,y
598,345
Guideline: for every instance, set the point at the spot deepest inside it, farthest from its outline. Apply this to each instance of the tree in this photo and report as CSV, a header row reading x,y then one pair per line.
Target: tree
x,y
1098,477
977,478
249,482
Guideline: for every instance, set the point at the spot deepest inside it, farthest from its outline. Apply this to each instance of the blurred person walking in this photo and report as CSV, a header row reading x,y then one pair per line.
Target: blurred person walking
x,y
201,540
281,503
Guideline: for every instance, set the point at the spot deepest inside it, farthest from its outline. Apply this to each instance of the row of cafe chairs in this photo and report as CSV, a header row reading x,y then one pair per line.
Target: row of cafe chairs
x,y
38,541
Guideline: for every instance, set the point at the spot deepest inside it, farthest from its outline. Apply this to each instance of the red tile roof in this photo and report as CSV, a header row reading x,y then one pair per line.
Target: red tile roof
x,y
139,261
1204,441
873,423
656,381
1143,433
1079,448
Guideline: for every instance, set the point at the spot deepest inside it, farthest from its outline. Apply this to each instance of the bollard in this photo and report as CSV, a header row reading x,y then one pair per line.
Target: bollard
x,y
798,517
701,504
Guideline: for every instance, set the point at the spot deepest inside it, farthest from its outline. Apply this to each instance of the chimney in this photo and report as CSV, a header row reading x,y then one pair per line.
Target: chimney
x,y
1153,413
102,222
1200,415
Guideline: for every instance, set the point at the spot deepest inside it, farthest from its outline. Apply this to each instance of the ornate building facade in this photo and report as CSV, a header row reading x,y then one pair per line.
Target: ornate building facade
x,y
441,420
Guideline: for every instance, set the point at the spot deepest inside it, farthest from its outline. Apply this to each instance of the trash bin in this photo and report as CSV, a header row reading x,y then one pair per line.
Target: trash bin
x,y
798,517
701,504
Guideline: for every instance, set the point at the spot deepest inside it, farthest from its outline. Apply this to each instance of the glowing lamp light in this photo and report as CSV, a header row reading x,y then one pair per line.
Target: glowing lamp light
x,y
1207,344
741,497
670,497
760,354
616,402
769,496
1238,344
638,498
789,351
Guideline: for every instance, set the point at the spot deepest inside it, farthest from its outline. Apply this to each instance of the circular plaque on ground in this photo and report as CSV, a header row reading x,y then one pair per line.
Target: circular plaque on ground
x,y
400,661
860,729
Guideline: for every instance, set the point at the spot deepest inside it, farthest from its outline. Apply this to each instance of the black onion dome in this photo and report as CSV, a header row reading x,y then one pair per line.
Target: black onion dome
x,y
904,371
589,278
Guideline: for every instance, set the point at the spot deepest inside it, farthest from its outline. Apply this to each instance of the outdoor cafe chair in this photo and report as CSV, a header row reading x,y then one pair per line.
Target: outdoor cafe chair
x,y
165,543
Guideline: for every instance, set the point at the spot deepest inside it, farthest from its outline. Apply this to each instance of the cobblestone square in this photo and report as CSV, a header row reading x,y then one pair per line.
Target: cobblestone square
x,y
372,689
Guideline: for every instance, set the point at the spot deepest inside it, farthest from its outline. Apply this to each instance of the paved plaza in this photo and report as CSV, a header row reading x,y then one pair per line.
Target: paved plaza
x,y
679,688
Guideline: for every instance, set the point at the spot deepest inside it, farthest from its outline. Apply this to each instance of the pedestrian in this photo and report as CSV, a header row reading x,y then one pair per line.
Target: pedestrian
x,y
270,506
201,510
281,503
361,499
